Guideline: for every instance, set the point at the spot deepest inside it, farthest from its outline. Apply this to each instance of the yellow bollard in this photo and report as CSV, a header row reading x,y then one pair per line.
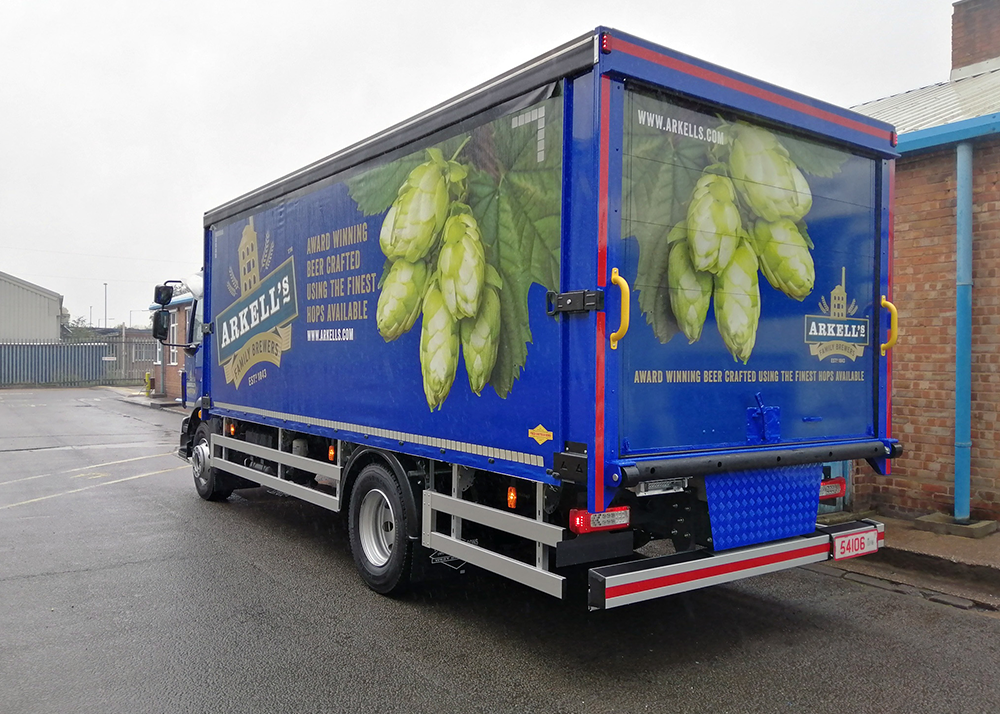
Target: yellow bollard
x,y
149,384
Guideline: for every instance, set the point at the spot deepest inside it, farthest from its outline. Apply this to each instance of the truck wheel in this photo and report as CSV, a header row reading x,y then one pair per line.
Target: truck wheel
x,y
382,552
206,479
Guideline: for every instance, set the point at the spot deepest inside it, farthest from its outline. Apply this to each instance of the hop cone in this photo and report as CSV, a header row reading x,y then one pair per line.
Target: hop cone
x,y
480,340
784,257
462,265
737,302
690,291
401,297
767,179
439,345
713,223
415,218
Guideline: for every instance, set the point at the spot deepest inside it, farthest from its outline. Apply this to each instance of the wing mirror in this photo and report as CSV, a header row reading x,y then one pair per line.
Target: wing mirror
x,y
163,295
161,322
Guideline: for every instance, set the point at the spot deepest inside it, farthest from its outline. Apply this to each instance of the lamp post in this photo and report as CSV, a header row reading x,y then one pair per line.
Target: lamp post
x,y
105,305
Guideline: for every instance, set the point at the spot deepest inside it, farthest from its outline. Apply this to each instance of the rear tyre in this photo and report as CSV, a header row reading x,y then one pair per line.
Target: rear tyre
x,y
207,481
378,526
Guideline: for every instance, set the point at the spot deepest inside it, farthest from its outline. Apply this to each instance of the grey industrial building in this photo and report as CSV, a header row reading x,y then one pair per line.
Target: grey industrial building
x,y
29,312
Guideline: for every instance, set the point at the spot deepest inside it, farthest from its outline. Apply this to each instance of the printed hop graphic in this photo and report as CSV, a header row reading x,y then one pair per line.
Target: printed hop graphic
x,y
462,263
732,201
465,239
439,343
415,218
401,298
767,179
480,339
690,291
784,257
737,302
713,223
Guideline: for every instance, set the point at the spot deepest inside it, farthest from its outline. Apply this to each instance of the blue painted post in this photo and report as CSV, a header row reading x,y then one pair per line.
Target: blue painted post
x,y
963,331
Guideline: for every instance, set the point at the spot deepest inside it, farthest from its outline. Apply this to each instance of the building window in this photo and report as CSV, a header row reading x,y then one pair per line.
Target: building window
x,y
172,336
158,359
143,351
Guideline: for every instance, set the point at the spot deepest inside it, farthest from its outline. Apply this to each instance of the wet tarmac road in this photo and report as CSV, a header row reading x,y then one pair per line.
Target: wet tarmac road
x,y
122,591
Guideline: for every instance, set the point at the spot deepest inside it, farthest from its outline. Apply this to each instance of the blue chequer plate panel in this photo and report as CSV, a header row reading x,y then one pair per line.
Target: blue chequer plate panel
x,y
749,507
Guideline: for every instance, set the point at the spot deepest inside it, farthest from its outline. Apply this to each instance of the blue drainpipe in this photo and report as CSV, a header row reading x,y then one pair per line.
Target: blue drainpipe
x,y
963,331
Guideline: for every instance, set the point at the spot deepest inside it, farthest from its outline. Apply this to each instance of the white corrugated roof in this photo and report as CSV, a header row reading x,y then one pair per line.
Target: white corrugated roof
x,y
938,104
30,286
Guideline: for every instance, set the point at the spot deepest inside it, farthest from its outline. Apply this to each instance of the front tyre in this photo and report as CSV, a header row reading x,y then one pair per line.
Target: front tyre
x,y
378,526
206,479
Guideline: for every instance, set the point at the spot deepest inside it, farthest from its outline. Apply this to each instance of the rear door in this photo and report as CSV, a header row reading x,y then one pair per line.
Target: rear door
x,y
752,257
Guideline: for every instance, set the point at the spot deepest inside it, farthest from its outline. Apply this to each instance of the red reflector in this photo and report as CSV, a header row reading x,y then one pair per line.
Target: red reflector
x,y
893,139
582,521
832,488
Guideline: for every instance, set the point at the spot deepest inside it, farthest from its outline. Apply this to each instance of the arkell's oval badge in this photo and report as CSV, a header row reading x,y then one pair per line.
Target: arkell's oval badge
x,y
835,332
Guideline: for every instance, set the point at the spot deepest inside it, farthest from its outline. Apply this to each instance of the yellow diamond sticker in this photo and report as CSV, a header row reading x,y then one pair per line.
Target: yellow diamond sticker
x,y
540,434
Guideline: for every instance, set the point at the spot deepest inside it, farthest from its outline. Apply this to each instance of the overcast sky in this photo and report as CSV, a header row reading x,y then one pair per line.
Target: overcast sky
x,y
121,123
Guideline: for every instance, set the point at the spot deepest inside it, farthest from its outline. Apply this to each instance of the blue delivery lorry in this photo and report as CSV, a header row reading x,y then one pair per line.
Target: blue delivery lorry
x,y
611,311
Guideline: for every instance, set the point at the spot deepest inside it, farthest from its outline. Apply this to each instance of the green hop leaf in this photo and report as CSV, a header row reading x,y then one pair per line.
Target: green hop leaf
x,y
652,282
814,158
784,257
401,298
737,302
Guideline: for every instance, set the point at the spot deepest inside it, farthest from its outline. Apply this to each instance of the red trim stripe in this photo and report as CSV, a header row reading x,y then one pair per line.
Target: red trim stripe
x,y
602,280
602,185
713,571
599,432
744,87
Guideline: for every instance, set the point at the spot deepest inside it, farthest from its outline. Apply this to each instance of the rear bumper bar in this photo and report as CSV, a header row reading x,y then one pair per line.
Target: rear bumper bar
x,y
654,468
650,578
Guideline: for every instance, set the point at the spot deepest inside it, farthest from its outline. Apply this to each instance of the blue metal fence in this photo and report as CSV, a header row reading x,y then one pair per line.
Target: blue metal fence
x,y
121,362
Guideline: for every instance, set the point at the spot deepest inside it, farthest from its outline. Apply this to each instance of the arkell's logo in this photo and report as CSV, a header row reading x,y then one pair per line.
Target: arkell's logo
x,y
836,332
257,327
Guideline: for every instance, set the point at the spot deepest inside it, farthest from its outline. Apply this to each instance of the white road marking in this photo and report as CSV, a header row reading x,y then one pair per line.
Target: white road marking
x,y
87,488
87,468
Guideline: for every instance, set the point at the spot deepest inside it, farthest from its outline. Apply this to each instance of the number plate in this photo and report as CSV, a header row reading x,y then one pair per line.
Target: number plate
x,y
851,545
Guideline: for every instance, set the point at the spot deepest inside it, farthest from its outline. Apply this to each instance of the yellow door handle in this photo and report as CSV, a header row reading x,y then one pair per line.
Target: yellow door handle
x,y
893,325
626,299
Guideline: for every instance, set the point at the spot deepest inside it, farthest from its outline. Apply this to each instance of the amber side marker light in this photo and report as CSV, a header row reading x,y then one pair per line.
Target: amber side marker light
x,y
232,430
332,453
511,497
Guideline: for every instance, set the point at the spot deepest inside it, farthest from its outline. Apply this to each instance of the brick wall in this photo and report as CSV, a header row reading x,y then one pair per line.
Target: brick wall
x,y
172,372
975,32
924,358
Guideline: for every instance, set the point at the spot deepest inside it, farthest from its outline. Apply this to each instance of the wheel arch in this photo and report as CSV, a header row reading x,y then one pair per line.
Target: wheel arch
x,y
189,428
398,465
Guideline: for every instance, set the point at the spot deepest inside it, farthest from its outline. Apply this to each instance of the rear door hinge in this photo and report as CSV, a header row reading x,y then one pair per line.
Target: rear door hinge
x,y
574,301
